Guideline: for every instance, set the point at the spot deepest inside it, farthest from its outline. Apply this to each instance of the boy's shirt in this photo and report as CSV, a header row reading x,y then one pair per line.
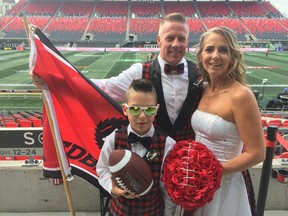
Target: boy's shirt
x,y
102,167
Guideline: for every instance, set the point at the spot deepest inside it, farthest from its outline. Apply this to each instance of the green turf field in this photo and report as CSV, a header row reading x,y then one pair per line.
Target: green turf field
x,y
14,71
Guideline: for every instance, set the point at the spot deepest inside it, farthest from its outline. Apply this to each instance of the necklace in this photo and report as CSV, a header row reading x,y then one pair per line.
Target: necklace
x,y
222,86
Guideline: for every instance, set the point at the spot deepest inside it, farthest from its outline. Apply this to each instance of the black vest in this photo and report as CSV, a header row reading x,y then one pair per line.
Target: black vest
x,y
181,129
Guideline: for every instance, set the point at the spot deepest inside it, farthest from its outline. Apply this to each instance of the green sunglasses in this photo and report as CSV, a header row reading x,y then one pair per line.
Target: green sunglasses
x,y
136,110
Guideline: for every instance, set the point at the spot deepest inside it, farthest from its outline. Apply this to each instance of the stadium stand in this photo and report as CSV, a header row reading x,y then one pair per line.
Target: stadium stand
x,y
77,9
274,122
108,29
217,9
272,11
39,21
284,22
61,28
146,9
233,23
15,29
186,8
114,22
10,118
41,8
146,29
247,9
5,20
196,27
117,9
264,28
68,24
17,8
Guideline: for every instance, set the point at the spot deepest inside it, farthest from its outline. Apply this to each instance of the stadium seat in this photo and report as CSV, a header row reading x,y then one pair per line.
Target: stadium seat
x,y
146,9
247,9
186,8
79,8
284,124
217,9
284,22
277,116
5,20
108,29
20,157
10,124
264,28
146,29
264,123
36,122
41,7
24,123
232,23
117,9
274,122
196,29
8,158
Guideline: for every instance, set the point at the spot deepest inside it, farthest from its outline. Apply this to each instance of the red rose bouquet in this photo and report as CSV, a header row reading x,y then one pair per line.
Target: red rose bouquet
x,y
191,174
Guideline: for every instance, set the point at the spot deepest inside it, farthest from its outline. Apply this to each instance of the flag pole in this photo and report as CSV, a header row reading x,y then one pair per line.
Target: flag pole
x,y
65,182
26,28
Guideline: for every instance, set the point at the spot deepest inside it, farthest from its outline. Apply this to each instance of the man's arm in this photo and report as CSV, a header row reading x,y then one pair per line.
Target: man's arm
x,y
117,86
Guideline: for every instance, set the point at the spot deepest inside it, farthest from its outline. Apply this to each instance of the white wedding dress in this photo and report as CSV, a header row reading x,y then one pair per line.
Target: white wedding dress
x,y
223,139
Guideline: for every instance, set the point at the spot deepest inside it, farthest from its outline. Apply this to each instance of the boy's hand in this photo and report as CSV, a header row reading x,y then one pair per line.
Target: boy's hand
x,y
117,191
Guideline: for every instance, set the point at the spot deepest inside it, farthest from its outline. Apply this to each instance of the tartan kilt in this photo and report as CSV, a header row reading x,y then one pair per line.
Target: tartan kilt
x,y
148,205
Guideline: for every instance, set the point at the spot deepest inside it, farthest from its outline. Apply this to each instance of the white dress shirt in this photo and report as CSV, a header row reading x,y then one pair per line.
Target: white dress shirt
x,y
175,87
102,167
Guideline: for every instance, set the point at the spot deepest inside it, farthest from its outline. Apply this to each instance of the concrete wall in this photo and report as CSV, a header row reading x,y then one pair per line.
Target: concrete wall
x,y
23,189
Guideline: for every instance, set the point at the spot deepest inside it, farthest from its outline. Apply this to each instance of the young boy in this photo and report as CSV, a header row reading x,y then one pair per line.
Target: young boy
x,y
140,108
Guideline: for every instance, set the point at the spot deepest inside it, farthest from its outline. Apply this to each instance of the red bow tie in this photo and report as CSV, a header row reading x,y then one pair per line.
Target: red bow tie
x,y
170,69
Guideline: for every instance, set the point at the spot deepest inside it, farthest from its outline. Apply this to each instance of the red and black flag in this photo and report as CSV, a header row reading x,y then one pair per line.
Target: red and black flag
x,y
81,114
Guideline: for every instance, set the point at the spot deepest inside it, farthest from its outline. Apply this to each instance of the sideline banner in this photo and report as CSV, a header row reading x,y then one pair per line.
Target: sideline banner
x,y
21,142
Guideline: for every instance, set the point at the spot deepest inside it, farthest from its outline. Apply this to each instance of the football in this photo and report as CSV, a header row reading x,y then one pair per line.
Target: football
x,y
130,171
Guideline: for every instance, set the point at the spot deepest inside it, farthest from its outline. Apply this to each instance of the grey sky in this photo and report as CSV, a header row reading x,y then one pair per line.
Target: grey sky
x,y
281,5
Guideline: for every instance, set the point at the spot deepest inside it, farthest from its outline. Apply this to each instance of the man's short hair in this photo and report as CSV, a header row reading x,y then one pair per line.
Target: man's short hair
x,y
173,17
